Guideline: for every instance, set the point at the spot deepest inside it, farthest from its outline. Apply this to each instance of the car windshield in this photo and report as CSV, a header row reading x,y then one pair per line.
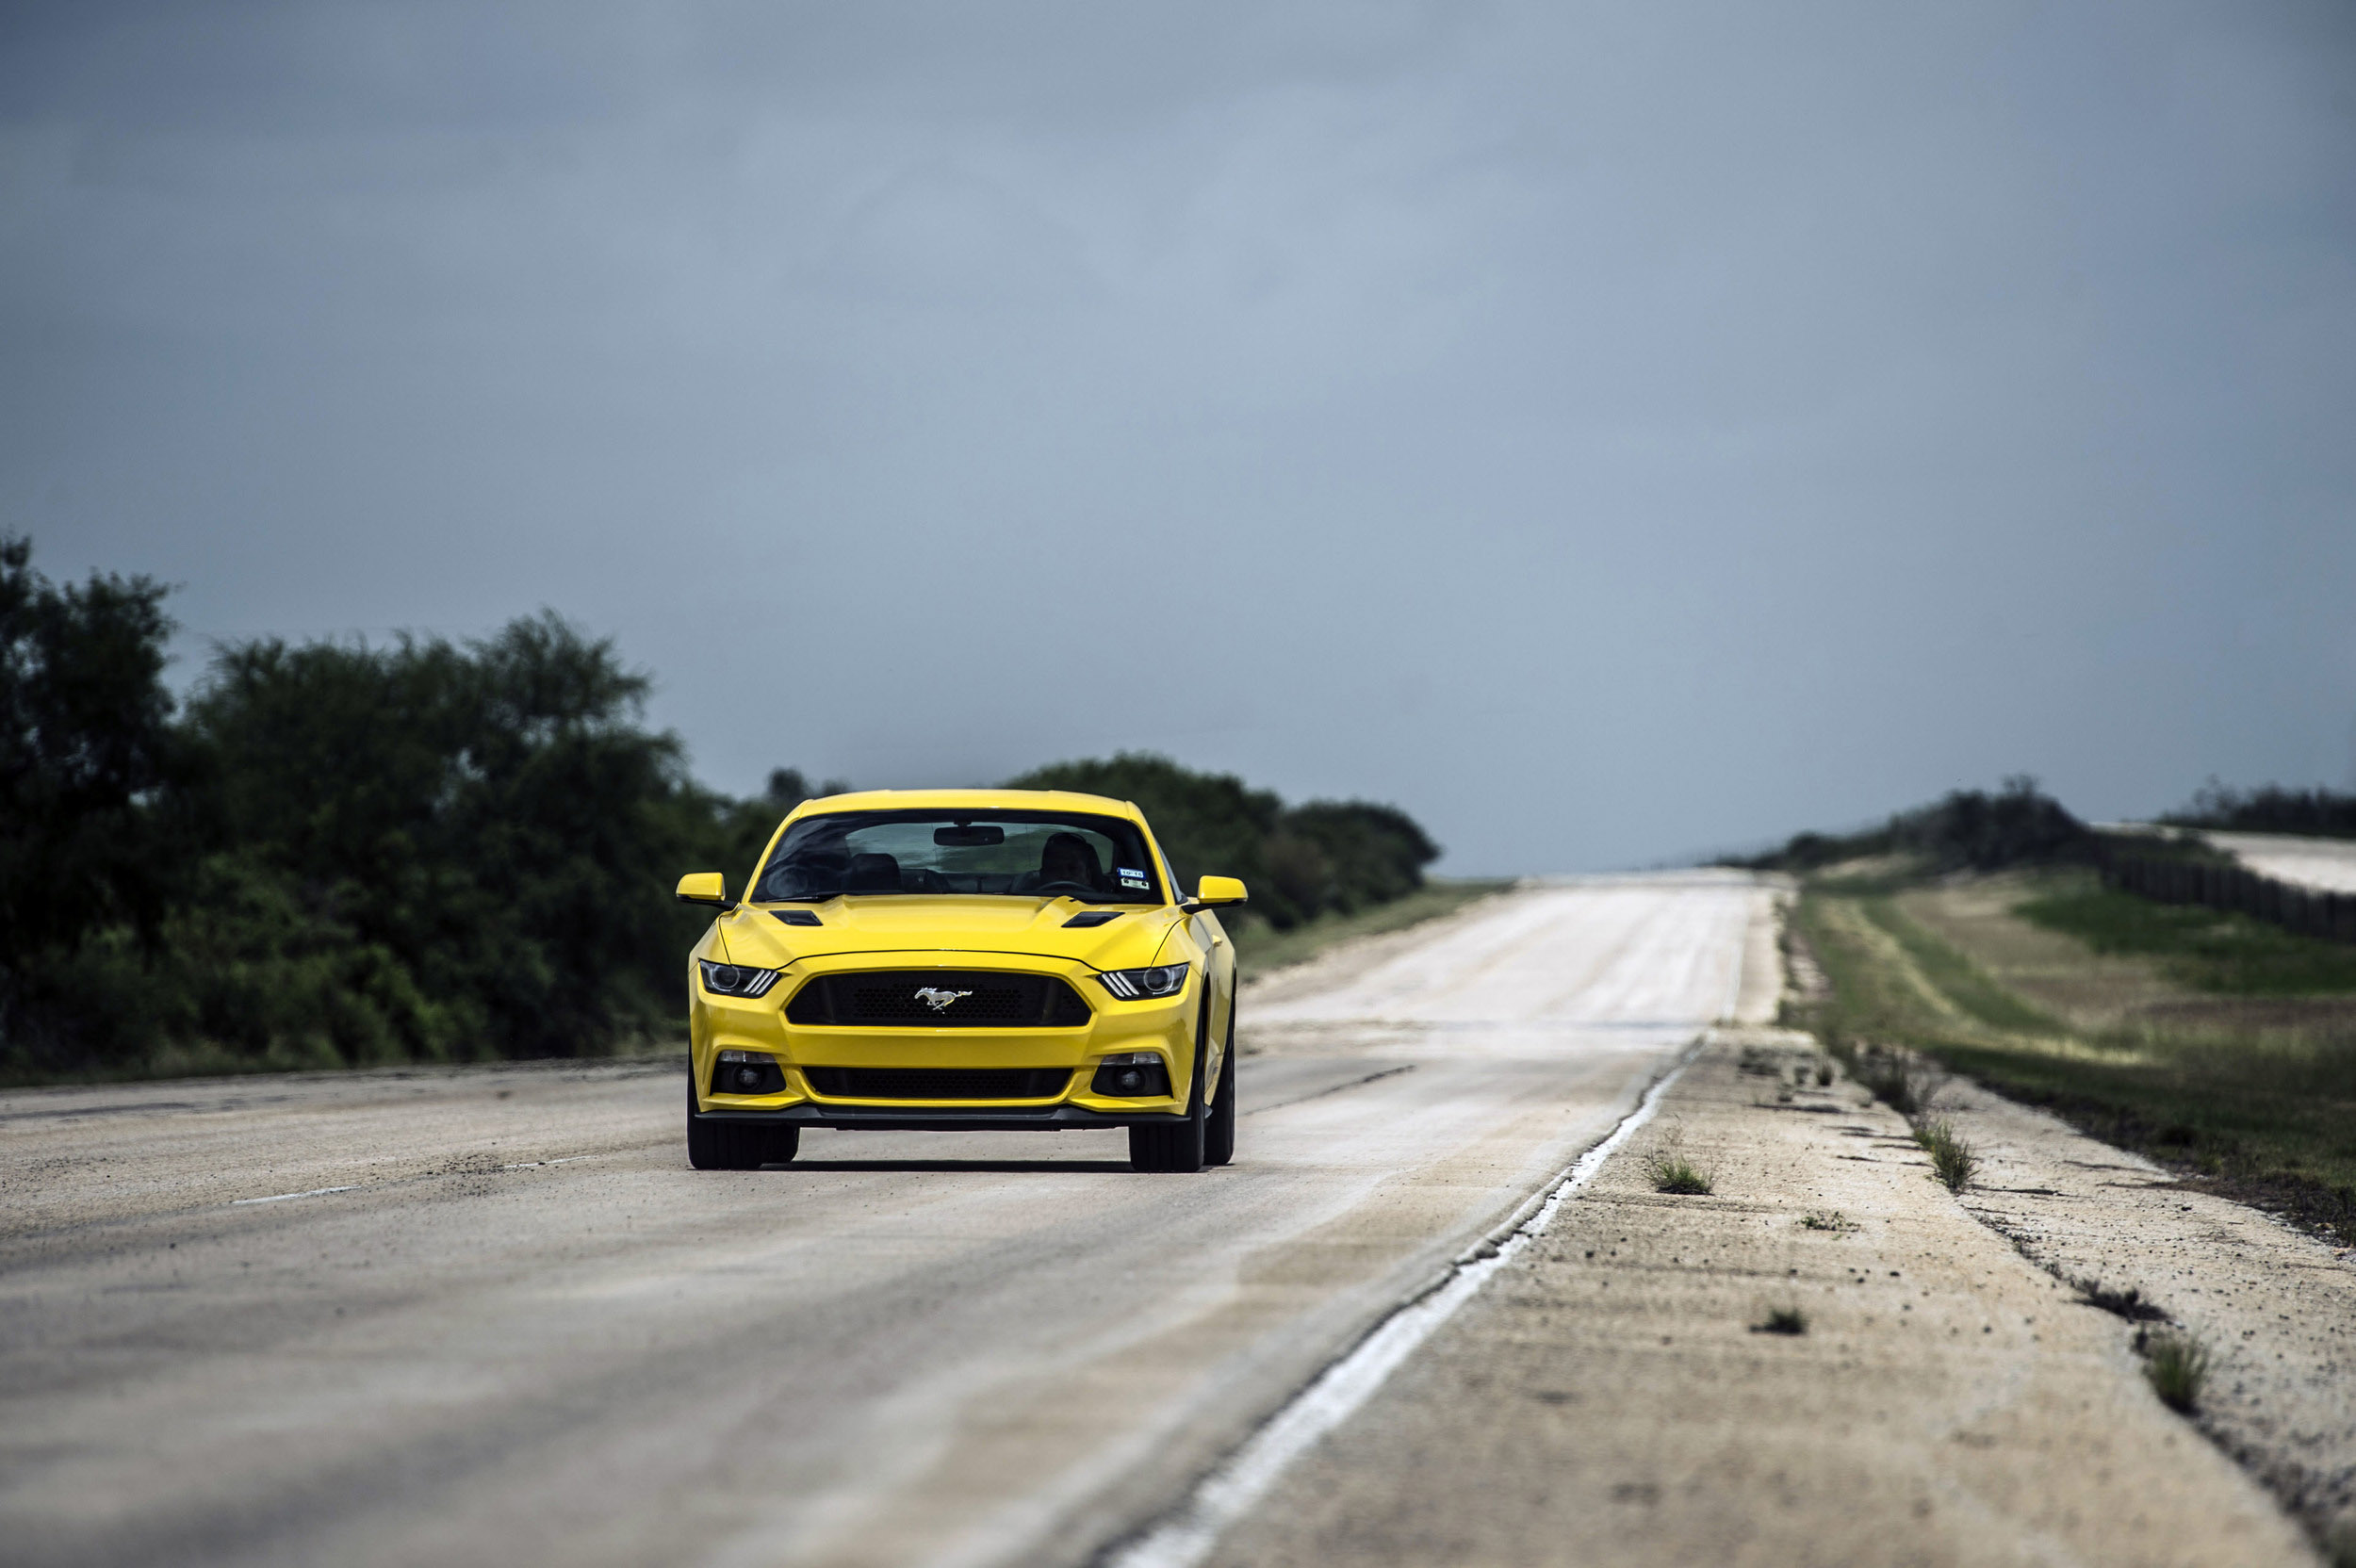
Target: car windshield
x,y
1024,854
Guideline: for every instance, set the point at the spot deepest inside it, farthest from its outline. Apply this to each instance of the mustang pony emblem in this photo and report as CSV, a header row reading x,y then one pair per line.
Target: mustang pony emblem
x,y
937,999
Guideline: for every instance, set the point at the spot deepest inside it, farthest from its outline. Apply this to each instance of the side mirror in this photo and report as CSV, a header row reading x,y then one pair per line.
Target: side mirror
x,y
704,887
1217,892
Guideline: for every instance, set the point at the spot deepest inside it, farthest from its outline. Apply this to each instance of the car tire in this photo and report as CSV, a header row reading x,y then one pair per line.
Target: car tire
x,y
1219,1131
716,1145
1178,1146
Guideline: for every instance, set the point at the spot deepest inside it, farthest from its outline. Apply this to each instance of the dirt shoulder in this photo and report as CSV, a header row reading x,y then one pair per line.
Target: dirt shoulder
x,y
1611,1399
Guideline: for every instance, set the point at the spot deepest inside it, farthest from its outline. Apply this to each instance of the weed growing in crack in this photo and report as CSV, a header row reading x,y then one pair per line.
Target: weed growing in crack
x,y
1672,1169
2177,1364
1782,1320
1836,1221
1899,1079
1953,1160
1675,1173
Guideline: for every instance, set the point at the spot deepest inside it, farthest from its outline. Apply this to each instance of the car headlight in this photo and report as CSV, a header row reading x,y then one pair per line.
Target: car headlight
x,y
1131,984
736,979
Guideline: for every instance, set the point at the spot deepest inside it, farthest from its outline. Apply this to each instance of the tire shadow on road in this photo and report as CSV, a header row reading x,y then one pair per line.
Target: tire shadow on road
x,y
1011,1166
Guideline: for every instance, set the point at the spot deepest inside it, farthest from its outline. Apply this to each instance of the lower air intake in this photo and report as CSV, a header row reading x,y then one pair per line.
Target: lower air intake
x,y
925,1083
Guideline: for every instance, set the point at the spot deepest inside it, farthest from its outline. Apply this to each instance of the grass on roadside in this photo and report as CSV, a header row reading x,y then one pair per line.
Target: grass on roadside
x,y
2208,949
1898,1079
1671,1170
1260,948
2177,1364
2261,1109
1953,1160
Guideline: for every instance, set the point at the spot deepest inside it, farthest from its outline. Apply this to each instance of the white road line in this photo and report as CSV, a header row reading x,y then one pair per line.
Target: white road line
x,y
282,1196
1223,1496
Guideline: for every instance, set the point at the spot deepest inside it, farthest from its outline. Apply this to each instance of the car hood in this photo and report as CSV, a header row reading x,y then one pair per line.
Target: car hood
x,y
903,923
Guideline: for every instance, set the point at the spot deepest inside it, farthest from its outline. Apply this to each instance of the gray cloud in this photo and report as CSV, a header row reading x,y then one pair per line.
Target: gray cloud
x,y
1609,431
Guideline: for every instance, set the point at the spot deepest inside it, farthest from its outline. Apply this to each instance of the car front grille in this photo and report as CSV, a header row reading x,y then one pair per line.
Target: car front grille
x,y
925,1082
974,999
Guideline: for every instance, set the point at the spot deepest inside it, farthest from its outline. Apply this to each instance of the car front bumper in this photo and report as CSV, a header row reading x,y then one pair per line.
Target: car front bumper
x,y
913,1117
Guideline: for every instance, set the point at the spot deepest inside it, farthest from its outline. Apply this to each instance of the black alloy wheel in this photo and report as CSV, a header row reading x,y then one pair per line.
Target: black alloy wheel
x,y
1218,1131
1178,1146
716,1145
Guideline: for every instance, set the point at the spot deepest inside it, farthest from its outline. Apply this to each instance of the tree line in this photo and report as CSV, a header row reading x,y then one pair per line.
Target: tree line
x,y
2020,824
335,854
1964,830
1323,856
2269,808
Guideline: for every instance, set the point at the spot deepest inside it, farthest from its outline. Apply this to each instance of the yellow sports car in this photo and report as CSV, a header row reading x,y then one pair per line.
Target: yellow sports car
x,y
948,959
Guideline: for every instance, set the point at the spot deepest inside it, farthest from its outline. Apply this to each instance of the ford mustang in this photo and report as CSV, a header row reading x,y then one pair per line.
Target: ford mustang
x,y
951,959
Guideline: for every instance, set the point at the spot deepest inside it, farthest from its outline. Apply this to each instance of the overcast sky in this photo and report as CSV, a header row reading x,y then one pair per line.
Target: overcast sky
x,y
1610,432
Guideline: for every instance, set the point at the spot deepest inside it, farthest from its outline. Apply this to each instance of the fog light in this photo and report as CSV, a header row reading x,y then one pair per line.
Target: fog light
x,y
1132,1075
746,1072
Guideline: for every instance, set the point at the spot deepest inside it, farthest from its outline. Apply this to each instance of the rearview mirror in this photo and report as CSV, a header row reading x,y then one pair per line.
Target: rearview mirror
x,y
1219,892
704,887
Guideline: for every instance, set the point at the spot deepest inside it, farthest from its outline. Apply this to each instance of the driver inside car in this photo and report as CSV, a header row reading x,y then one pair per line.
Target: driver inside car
x,y
1066,859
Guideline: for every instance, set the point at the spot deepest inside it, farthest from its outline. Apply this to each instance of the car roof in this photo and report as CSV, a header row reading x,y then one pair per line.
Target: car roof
x,y
977,800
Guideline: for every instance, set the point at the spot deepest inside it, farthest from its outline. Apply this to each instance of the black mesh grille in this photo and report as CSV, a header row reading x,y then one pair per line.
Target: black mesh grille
x,y
925,1082
982,999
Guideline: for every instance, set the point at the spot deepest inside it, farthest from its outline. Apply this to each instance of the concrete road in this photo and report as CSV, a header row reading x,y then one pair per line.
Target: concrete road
x,y
2327,865
489,1315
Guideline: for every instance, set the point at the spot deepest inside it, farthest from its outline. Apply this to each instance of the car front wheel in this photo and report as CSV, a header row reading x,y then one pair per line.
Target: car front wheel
x,y
1178,1146
715,1145
1219,1133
